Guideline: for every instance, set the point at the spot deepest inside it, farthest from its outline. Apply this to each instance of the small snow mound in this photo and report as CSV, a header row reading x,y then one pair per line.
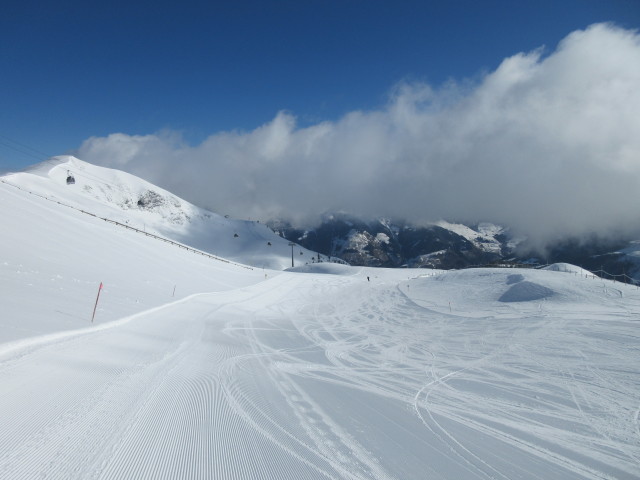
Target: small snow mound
x,y
566,267
525,291
326,268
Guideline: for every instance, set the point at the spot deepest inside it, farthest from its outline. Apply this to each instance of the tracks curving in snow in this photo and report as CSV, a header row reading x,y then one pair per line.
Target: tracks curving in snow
x,y
317,376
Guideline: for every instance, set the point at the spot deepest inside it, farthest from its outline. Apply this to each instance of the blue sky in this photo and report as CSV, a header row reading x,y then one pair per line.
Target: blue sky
x,y
72,70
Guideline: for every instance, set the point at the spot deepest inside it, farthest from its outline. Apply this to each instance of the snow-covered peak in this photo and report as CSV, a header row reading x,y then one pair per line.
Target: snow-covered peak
x,y
484,237
114,193
131,201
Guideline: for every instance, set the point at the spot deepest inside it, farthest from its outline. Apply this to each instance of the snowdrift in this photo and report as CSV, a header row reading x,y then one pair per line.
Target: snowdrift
x,y
326,268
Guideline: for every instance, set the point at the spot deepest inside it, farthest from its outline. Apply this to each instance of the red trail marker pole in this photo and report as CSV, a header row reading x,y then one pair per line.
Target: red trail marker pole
x,y
96,305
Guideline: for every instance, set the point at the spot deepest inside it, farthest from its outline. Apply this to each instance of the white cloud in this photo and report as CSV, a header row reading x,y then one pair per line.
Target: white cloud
x,y
547,144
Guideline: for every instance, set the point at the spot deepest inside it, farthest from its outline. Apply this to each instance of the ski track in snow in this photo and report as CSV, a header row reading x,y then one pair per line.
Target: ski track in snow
x,y
326,376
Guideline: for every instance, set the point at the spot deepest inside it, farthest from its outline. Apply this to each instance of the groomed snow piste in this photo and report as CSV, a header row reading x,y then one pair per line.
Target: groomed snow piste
x,y
198,368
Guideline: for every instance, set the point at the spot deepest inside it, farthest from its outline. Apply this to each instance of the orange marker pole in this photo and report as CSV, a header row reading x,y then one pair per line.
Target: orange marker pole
x,y
96,305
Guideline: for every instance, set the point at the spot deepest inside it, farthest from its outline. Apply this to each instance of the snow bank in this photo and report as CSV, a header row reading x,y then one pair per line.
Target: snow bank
x,y
567,268
326,268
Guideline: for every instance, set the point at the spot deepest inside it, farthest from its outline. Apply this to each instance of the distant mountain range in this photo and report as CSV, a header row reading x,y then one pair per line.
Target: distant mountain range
x,y
388,243
385,243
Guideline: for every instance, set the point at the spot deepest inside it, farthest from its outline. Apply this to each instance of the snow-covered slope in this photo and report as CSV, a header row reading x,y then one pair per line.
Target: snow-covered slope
x,y
199,368
53,259
132,201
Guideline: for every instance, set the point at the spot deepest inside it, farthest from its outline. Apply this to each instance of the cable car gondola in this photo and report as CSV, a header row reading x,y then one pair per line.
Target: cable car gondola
x,y
70,179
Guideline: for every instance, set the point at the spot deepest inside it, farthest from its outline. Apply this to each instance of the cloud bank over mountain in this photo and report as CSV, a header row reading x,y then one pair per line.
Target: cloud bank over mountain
x,y
548,143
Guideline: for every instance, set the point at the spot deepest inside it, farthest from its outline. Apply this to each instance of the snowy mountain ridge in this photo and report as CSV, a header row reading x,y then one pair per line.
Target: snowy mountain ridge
x,y
387,243
129,200
101,187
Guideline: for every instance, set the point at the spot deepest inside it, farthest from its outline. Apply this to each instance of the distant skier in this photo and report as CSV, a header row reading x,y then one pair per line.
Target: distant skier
x,y
367,279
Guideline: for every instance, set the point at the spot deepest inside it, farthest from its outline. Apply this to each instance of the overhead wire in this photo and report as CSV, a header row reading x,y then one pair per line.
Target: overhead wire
x,y
48,159
45,158
23,152
22,148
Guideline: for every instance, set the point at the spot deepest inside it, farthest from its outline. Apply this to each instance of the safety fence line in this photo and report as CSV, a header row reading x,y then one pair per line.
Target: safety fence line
x,y
621,277
129,227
